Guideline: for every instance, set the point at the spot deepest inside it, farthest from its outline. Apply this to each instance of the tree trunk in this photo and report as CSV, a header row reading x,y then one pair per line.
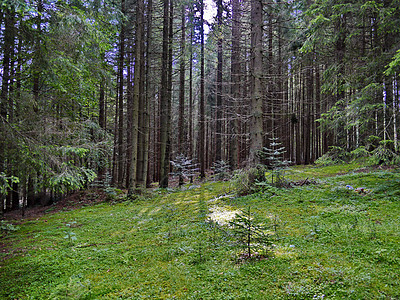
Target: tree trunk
x,y
181,116
202,131
129,112
218,133
318,106
149,93
37,57
164,100
307,118
169,112
190,118
141,175
121,102
6,72
114,170
256,107
235,86
395,111
136,98
102,116
5,107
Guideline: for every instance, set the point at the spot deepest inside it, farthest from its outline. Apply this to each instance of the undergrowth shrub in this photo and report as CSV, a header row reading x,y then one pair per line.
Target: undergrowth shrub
x,y
113,194
250,236
5,226
184,168
245,181
273,156
6,183
76,288
373,142
325,160
385,154
360,152
335,155
221,170
377,152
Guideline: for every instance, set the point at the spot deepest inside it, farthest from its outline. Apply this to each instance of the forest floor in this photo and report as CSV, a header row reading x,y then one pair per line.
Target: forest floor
x,y
335,237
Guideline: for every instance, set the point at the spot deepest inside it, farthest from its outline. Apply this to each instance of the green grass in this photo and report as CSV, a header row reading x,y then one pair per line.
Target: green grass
x,y
330,242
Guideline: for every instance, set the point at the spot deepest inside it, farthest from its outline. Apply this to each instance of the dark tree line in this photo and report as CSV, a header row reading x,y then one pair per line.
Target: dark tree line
x,y
110,92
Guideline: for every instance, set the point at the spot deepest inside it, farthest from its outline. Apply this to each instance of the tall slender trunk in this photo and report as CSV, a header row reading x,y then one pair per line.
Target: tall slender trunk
x,y
11,75
298,84
182,84
256,107
218,133
102,117
37,56
318,106
169,112
129,112
269,105
340,55
5,109
190,118
136,98
164,99
114,178
6,72
142,125
121,102
202,131
308,110
395,111
235,85
149,93
102,123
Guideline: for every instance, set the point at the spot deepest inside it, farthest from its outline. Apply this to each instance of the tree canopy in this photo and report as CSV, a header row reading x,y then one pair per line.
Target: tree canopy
x,y
107,92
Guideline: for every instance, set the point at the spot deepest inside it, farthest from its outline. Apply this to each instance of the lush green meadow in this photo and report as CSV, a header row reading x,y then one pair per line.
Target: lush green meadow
x,y
329,242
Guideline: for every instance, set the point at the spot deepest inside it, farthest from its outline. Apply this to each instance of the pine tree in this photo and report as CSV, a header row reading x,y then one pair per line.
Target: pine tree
x,y
273,156
250,236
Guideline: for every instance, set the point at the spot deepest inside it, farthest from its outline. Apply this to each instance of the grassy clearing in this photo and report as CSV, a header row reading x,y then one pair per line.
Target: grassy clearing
x,y
330,242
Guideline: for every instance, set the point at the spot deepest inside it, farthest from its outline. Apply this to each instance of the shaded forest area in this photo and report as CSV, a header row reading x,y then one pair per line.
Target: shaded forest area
x,y
109,93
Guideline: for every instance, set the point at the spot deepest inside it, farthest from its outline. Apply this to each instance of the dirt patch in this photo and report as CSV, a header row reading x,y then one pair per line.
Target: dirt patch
x,y
69,202
375,168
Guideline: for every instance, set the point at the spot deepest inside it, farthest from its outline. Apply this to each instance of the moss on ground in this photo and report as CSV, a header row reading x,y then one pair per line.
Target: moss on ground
x,y
330,241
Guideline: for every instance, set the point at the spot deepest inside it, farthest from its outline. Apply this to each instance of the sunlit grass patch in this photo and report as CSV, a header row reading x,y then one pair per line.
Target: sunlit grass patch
x,y
222,215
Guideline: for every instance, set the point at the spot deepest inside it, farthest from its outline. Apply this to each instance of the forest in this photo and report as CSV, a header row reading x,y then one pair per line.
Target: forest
x,y
176,149
128,93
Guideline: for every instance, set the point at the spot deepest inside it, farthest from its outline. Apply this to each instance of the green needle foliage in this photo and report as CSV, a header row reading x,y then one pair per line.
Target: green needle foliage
x,y
221,169
273,155
250,236
183,168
